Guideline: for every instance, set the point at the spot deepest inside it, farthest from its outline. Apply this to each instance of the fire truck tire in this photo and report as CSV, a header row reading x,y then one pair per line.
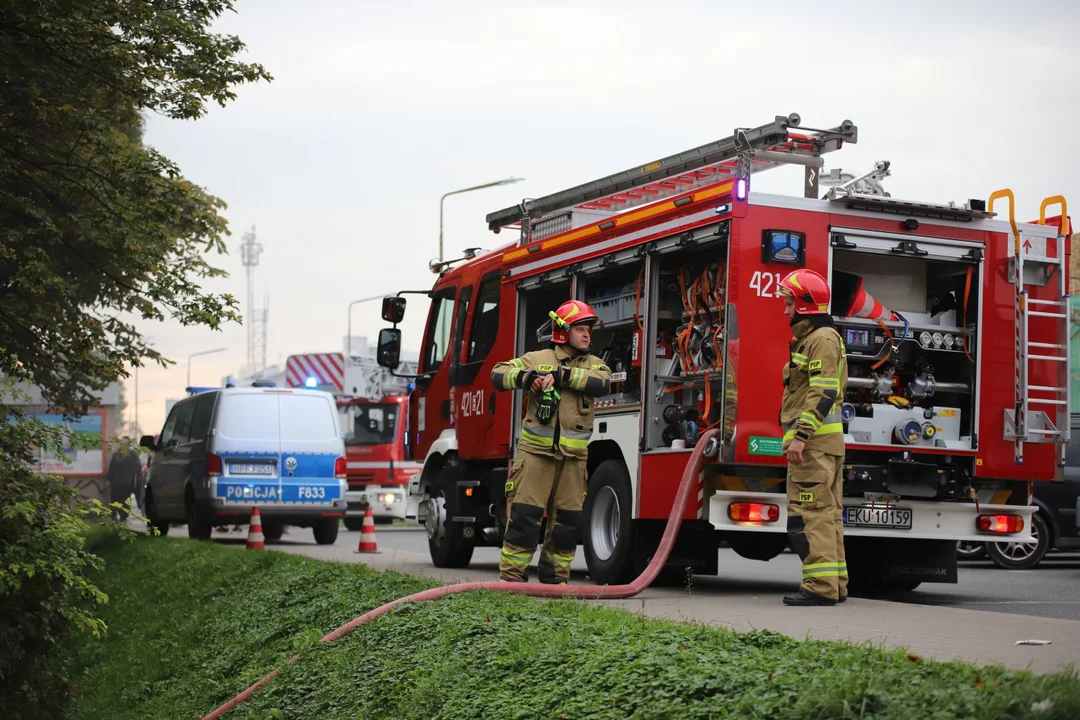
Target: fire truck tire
x,y
608,535
1019,556
446,542
757,546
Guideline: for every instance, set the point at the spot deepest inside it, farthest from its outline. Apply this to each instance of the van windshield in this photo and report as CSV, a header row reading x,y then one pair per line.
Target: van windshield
x,y
370,424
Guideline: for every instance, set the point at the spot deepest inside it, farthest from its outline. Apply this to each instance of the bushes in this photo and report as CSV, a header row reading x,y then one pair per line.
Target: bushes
x,y
43,589
46,596
193,624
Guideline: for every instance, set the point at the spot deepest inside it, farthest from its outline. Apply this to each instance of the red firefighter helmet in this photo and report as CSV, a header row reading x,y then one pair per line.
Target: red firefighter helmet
x,y
809,289
571,312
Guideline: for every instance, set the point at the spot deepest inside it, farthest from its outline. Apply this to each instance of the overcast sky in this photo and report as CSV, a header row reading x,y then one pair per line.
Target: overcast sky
x,y
378,108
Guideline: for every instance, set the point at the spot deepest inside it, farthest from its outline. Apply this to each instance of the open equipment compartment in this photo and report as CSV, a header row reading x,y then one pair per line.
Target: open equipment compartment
x,y
689,341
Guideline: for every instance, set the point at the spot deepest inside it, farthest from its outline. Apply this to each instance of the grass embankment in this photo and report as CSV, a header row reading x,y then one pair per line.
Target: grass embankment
x,y
192,624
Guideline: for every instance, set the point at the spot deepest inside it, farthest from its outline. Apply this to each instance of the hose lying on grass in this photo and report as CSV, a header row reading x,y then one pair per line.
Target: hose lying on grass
x,y
582,592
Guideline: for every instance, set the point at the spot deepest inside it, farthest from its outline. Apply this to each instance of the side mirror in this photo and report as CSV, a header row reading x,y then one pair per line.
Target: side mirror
x,y
147,441
388,354
393,309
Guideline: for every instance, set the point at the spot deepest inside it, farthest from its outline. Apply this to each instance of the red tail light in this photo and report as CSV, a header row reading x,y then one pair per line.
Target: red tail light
x,y
213,465
1001,524
339,468
753,512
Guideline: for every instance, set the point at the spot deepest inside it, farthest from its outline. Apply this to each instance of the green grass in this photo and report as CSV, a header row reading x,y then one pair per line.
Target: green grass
x,y
192,624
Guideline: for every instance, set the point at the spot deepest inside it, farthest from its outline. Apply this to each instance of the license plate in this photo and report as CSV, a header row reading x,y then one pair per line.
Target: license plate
x,y
310,493
878,517
250,469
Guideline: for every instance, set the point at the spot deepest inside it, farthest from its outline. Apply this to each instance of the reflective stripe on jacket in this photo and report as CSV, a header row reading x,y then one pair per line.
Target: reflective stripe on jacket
x,y
815,380
578,379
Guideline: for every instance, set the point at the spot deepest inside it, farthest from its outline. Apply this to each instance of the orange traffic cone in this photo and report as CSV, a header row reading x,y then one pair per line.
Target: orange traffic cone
x,y
863,304
367,534
255,535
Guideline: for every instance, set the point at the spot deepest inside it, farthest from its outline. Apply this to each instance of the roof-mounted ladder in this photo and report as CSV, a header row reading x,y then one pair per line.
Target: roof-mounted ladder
x,y
747,151
1032,264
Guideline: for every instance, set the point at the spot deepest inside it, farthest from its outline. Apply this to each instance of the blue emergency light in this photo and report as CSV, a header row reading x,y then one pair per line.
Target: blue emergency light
x,y
311,383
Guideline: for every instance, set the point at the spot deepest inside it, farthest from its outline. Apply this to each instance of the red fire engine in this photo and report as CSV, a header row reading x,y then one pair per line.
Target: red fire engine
x,y
373,424
957,395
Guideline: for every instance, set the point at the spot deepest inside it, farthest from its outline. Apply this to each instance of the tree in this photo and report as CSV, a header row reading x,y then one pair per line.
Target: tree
x,y
94,227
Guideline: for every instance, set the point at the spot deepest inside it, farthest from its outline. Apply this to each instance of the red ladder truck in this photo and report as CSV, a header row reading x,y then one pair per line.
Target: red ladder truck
x,y
957,395
373,422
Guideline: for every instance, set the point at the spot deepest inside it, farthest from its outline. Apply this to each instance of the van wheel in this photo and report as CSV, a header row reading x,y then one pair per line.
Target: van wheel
x,y
355,524
198,525
152,517
609,529
326,530
272,531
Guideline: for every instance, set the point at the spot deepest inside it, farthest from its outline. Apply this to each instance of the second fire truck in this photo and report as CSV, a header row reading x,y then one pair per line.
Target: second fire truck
x,y
954,318
373,416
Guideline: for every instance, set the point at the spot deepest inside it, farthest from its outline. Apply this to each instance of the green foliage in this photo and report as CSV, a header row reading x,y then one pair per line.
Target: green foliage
x,y
201,622
94,226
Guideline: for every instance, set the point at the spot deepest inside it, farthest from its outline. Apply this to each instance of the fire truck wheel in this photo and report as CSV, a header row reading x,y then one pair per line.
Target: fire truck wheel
x,y
1021,556
446,541
356,524
609,529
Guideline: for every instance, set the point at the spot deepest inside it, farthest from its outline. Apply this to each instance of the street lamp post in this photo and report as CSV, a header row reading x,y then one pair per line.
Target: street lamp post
x,y
203,352
348,333
506,181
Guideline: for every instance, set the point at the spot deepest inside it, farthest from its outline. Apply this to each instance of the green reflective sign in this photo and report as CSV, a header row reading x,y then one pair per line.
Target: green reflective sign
x,y
766,445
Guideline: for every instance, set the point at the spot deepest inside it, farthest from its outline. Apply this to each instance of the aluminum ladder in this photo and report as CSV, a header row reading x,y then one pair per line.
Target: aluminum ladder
x,y
748,150
1034,265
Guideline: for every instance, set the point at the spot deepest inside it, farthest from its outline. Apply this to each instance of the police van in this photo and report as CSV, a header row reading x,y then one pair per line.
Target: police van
x,y
225,451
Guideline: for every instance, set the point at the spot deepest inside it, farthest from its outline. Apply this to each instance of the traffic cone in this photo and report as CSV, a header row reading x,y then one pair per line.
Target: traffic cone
x,y
255,535
367,534
853,300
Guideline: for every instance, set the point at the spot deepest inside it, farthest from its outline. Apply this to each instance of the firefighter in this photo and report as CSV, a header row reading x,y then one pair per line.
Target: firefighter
x,y
548,472
815,379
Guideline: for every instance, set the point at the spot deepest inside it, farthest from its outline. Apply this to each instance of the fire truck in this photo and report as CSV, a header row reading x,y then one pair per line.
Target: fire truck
x,y
954,318
373,410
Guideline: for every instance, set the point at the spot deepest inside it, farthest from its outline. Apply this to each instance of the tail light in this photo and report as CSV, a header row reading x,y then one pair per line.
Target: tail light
x,y
213,465
339,468
753,512
1001,524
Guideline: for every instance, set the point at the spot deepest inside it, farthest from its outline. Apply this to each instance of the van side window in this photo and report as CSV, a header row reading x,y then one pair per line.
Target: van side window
x,y
204,411
439,325
485,325
169,429
182,431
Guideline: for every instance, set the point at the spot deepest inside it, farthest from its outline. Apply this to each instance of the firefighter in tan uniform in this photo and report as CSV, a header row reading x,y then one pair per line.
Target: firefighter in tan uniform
x,y
549,470
814,383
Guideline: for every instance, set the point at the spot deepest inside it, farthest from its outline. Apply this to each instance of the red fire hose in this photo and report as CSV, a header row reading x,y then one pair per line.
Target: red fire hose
x,y
582,592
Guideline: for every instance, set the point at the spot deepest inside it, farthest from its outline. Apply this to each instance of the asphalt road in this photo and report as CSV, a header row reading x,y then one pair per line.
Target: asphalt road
x,y
1051,590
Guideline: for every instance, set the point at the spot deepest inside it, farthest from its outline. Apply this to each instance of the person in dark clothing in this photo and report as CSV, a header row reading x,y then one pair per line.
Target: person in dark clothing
x,y
125,474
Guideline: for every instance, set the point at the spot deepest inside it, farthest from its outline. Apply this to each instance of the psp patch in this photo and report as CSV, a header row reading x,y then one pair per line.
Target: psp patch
x,y
805,497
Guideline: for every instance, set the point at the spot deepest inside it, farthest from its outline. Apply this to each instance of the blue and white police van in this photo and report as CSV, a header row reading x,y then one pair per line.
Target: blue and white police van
x,y
225,451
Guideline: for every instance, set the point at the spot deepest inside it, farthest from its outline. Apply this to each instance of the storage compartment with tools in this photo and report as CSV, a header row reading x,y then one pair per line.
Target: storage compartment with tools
x,y
687,377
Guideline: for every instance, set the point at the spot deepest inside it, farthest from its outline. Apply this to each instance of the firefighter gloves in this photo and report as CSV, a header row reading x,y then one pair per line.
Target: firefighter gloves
x,y
549,403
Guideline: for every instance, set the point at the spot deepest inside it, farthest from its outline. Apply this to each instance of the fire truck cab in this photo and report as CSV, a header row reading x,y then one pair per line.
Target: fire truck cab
x,y
957,396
